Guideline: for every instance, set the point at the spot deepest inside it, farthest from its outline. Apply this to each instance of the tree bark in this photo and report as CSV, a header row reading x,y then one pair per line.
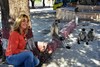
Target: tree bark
x,y
17,7
5,17
43,3
32,1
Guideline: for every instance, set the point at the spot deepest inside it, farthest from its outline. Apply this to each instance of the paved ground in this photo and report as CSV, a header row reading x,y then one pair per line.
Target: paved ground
x,y
41,22
80,55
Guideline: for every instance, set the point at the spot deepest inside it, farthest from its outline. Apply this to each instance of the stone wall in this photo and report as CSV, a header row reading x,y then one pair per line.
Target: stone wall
x,y
66,14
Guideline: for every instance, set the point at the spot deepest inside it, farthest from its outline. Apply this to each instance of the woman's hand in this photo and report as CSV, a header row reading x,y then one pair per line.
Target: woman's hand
x,y
24,50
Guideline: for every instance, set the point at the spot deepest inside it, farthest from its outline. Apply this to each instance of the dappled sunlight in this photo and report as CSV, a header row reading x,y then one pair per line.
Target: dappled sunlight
x,y
10,66
61,62
79,64
39,31
41,23
97,62
80,55
42,17
82,51
52,64
35,24
41,10
58,63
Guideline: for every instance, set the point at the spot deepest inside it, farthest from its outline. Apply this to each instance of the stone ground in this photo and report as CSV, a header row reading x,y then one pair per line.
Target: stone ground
x,y
80,55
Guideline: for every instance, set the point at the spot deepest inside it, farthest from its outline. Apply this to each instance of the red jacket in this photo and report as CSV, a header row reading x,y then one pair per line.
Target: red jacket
x,y
16,43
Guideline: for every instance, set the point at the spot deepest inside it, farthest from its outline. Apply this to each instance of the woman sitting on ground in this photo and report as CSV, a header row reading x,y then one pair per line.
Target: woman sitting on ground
x,y
16,54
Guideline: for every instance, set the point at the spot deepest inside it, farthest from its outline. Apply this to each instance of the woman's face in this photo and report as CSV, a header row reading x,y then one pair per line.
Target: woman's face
x,y
24,24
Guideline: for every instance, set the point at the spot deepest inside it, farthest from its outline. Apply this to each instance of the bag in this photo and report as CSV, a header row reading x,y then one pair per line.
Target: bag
x,y
30,44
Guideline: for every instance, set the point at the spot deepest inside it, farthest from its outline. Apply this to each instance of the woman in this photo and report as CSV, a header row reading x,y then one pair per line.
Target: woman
x,y
15,52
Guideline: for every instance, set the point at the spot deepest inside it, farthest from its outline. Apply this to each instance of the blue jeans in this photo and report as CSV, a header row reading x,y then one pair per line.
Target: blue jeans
x,y
23,59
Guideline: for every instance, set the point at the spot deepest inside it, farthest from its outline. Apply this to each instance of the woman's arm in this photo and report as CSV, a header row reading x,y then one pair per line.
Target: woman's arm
x,y
14,42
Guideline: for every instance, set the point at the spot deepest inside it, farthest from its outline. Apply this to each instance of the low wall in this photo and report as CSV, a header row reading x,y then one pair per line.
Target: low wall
x,y
91,8
65,14
68,28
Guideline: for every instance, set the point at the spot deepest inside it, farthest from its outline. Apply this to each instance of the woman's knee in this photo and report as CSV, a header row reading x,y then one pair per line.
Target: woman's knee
x,y
29,53
36,61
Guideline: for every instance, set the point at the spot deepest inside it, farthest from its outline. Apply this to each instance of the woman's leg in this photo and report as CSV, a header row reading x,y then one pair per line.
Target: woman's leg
x,y
36,61
25,57
19,65
32,62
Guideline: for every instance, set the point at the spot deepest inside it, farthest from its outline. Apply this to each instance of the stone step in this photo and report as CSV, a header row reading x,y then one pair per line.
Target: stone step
x,y
89,8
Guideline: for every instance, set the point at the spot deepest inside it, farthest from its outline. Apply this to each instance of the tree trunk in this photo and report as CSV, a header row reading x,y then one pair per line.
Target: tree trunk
x,y
5,17
32,1
18,7
43,3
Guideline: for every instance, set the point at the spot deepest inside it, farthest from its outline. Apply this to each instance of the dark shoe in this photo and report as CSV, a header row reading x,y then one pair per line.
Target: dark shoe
x,y
68,47
78,42
61,38
87,43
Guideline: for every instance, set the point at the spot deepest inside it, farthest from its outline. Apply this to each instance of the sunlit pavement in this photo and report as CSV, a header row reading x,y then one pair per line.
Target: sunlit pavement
x,y
48,10
80,55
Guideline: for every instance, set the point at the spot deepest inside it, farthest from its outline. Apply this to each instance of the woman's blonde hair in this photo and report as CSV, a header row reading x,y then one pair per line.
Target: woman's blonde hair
x,y
16,26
